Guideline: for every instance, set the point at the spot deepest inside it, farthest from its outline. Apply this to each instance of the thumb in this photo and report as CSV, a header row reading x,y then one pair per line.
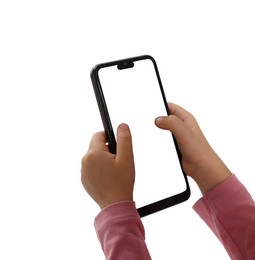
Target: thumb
x,y
171,123
124,142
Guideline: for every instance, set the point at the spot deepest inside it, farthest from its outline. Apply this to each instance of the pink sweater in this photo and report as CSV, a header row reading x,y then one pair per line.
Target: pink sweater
x,y
228,210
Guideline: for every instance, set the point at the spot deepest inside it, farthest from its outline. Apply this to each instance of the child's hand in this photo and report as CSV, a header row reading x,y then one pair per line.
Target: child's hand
x,y
199,160
109,178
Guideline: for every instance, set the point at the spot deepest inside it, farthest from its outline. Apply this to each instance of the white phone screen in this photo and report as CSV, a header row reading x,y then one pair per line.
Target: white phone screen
x,y
133,96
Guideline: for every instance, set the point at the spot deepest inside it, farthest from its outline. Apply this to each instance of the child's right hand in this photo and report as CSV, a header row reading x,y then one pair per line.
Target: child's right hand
x,y
199,160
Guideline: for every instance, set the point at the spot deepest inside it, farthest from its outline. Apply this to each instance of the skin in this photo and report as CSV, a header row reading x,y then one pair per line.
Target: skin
x,y
109,178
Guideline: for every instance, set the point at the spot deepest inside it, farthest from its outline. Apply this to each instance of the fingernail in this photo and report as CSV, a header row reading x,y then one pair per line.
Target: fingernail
x,y
123,126
159,119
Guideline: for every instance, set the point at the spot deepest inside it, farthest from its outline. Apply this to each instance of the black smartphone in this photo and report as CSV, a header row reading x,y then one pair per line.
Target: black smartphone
x,y
130,91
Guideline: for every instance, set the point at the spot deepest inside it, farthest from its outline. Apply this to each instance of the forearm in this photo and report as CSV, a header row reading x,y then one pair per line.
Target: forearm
x,y
229,211
121,233
210,173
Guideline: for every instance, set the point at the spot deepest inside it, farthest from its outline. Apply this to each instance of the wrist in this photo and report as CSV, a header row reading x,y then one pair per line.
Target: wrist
x,y
211,173
106,203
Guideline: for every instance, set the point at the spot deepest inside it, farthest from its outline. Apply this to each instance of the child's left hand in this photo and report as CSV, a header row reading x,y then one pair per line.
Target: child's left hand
x,y
109,178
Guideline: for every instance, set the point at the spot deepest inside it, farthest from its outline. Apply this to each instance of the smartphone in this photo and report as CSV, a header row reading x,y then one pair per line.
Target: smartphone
x,y
130,91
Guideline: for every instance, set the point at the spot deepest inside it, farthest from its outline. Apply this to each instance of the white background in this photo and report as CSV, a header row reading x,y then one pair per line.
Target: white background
x,y
206,57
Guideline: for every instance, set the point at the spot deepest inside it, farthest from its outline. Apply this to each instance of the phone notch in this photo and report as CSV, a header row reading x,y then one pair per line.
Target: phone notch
x,y
125,64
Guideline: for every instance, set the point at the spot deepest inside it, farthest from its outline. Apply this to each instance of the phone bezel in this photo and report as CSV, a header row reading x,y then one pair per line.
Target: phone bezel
x,y
109,132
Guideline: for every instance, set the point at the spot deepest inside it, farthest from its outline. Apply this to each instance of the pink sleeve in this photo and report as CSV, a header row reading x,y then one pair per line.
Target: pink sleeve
x,y
229,211
121,232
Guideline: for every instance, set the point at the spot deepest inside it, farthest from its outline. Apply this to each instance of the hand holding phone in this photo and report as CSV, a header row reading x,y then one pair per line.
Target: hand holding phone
x,y
114,180
130,91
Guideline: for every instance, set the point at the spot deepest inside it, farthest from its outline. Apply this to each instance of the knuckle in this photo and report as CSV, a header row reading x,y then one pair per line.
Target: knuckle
x,y
96,134
88,158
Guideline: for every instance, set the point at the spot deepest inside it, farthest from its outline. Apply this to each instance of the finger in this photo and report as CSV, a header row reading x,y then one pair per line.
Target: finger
x,y
178,111
98,142
124,142
173,124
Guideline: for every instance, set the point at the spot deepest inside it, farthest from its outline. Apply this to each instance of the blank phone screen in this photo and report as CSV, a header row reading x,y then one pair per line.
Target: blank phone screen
x,y
133,96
